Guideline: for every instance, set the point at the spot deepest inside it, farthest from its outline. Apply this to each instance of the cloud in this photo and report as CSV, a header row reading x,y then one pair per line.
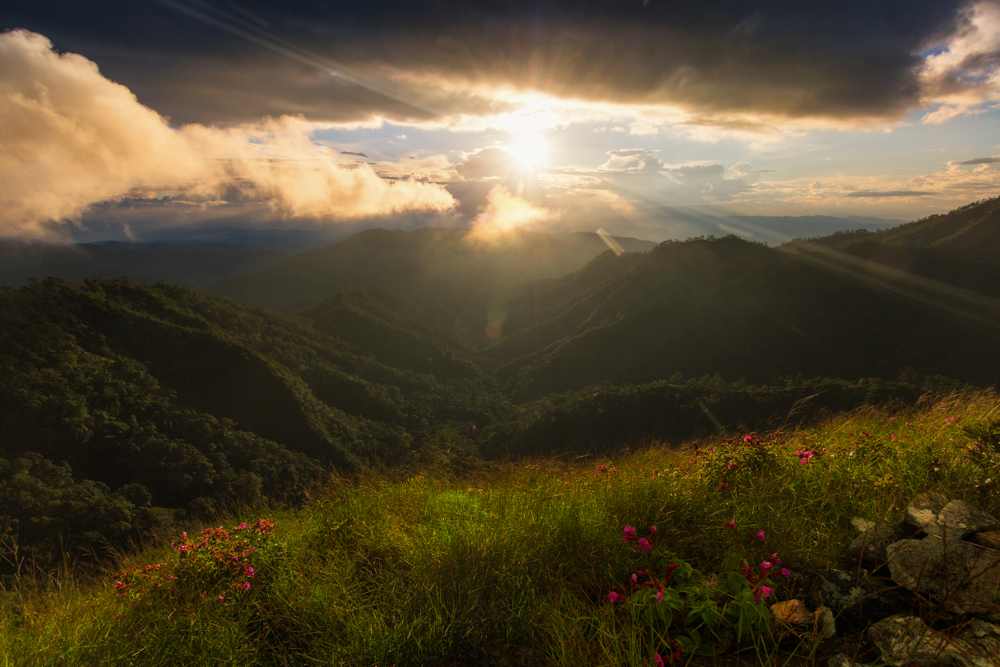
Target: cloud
x,y
491,162
633,160
70,138
888,193
504,212
981,160
727,64
357,153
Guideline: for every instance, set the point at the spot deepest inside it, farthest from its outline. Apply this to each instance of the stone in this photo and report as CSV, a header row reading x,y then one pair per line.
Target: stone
x,y
906,640
868,548
958,520
842,660
924,509
857,599
862,524
989,539
792,611
824,623
963,577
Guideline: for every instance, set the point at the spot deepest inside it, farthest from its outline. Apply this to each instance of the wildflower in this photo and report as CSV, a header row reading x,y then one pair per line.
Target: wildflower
x,y
731,524
629,534
644,545
765,565
245,586
659,595
249,571
651,530
722,486
763,592
785,572
893,436
614,597
184,536
221,597
761,535
243,526
659,660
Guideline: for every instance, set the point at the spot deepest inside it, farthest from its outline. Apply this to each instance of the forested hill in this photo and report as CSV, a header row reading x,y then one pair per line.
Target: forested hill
x,y
174,399
736,308
959,248
458,268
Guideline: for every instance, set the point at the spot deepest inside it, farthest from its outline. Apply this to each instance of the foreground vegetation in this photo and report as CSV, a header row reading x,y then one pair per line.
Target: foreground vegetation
x,y
513,563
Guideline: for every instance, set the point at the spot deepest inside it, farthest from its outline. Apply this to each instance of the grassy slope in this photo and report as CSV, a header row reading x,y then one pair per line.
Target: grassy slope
x,y
507,566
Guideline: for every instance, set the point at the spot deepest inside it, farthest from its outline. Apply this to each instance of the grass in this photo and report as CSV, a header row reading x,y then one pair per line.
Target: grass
x,y
510,565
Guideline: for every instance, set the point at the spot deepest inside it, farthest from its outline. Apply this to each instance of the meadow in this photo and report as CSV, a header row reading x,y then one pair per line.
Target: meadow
x,y
528,562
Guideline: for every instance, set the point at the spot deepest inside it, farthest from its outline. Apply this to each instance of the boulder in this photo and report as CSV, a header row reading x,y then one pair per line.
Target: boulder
x,y
792,611
923,510
858,599
959,520
964,578
869,548
906,640
989,539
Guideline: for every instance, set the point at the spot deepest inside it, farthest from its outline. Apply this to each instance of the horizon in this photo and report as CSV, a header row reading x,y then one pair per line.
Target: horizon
x,y
140,120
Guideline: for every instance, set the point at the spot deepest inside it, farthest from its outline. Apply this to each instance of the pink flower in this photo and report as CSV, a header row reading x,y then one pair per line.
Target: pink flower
x,y
761,535
249,571
651,530
245,586
629,534
221,597
659,660
765,565
644,545
763,592
184,536
722,487
242,526
659,595
785,572
731,524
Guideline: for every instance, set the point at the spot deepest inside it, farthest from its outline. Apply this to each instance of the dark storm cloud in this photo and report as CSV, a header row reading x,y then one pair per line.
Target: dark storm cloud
x,y
197,60
888,193
982,160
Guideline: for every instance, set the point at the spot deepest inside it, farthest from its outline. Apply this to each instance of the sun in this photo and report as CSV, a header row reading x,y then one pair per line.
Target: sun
x,y
529,150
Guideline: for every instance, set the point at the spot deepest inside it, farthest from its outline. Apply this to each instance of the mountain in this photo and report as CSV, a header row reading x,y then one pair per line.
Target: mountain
x,y
960,248
455,267
192,264
739,309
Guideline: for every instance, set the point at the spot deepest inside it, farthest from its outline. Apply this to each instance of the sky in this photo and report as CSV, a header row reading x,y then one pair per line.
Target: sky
x,y
648,118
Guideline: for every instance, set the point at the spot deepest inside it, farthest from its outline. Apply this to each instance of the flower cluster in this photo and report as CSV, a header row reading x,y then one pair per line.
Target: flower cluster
x,y
214,563
604,468
807,455
763,571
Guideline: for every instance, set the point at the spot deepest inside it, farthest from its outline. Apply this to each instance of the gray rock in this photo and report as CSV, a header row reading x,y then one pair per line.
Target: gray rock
x,y
924,509
905,640
857,599
958,520
990,539
963,577
868,548
843,660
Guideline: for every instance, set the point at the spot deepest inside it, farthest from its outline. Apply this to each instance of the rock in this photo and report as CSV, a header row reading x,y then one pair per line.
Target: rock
x,y
862,524
989,539
868,548
963,577
857,599
905,640
792,611
842,660
923,510
824,623
958,520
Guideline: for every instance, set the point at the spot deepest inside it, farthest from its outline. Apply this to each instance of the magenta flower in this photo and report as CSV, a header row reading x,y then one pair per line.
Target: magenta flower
x,y
629,534
659,660
785,572
761,535
242,526
221,597
249,571
722,487
731,524
184,536
765,565
644,545
651,530
763,592
245,586
659,595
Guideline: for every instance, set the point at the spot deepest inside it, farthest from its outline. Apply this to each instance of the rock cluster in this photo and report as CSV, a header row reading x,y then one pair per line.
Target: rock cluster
x,y
941,558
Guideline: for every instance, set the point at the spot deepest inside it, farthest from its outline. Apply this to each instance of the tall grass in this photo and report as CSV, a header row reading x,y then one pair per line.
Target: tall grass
x,y
508,565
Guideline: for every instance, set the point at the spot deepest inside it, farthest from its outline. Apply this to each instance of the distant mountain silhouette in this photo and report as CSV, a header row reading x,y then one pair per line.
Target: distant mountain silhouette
x,y
455,267
192,264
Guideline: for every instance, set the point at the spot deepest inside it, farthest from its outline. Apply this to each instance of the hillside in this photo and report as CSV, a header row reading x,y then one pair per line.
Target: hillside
x,y
735,308
959,248
453,266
